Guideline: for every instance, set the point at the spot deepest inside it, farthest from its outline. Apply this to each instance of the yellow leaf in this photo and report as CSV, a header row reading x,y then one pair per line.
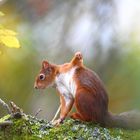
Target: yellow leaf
x,y
8,38
6,32
10,41
1,13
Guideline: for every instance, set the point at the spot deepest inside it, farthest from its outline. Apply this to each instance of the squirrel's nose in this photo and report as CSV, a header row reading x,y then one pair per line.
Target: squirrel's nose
x,y
35,87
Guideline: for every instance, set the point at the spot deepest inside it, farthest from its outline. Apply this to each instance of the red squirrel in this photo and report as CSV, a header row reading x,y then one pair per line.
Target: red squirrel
x,y
80,86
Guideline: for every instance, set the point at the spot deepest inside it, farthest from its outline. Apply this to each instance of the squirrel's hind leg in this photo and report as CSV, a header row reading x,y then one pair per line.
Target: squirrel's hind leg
x,y
77,116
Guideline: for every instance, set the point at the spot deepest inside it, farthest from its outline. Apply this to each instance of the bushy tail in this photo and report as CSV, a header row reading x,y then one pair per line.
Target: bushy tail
x,y
127,120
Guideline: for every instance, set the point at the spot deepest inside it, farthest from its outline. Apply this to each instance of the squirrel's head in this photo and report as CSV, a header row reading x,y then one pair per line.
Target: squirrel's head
x,y
46,76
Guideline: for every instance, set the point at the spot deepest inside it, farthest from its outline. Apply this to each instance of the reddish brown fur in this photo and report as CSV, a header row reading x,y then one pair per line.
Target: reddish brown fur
x,y
91,99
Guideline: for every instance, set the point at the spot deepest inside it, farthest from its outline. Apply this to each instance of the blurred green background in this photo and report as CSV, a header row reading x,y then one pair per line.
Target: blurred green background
x,y
107,32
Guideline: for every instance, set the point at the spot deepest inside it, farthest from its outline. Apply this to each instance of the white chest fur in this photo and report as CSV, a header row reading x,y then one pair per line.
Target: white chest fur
x,y
65,84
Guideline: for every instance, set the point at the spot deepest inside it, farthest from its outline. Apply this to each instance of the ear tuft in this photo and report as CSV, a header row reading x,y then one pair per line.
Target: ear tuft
x,y
45,64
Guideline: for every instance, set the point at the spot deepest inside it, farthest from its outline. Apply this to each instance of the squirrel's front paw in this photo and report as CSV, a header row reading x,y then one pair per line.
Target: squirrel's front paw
x,y
57,122
78,55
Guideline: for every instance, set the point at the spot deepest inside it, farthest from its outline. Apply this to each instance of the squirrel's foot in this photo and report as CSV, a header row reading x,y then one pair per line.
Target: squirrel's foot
x,y
57,122
78,55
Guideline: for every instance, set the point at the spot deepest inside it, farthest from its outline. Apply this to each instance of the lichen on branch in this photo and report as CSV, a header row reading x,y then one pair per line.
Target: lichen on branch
x,y
18,125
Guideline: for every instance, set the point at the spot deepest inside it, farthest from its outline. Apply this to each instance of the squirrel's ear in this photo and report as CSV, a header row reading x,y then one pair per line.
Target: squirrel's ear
x,y
45,64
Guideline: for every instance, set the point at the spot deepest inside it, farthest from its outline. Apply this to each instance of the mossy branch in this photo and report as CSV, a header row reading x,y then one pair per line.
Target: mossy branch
x,y
18,125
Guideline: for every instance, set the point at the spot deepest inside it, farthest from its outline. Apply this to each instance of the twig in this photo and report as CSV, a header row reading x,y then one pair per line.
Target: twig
x,y
5,106
37,112
56,114
15,108
6,123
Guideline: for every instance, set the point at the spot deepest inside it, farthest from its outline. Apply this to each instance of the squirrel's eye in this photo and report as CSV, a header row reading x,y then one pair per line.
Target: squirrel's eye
x,y
41,76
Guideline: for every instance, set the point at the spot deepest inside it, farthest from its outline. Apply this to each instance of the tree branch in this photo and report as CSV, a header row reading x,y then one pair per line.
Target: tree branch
x,y
7,108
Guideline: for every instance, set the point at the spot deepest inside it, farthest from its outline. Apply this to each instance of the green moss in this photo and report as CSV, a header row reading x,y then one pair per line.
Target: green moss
x,y
4,118
31,128
78,130
133,135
